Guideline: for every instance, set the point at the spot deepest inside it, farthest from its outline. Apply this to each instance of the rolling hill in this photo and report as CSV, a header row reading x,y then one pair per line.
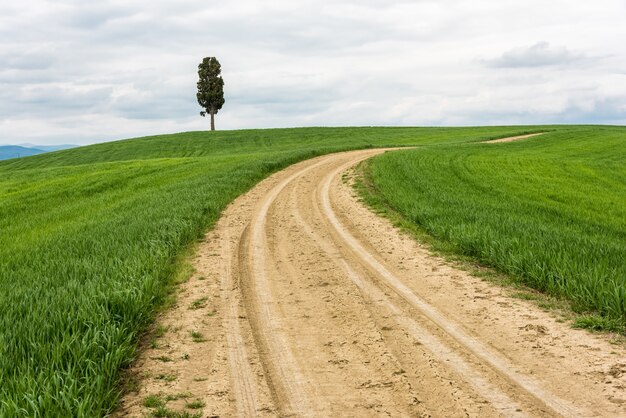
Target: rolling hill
x,y
93,238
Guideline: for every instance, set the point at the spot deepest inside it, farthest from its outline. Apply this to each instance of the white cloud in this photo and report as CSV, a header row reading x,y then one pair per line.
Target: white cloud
x,y
541,54
73,71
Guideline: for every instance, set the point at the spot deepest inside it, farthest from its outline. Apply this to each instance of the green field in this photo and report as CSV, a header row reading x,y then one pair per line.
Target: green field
x,y
89,239
549,210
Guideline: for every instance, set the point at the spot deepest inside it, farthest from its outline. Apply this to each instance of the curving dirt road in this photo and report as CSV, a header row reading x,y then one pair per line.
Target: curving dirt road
x,y
307,304
511,138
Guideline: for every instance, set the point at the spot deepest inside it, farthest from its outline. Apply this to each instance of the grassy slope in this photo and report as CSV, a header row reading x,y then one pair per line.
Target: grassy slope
x,y
88,237
550,210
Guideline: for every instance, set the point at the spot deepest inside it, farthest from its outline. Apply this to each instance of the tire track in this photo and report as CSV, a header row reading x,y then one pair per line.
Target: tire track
x,y
499,400
487,355
288,380
293,390
290,387
242,377
492,393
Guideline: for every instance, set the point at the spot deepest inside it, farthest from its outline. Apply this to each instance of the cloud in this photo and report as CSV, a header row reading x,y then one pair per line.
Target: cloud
x,y
541,54
85,72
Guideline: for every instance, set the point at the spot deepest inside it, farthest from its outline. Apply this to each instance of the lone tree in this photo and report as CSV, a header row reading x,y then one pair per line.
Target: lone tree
x,y
210,88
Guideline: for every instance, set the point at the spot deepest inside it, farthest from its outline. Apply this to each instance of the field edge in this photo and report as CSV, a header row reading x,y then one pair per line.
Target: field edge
x,y
561,307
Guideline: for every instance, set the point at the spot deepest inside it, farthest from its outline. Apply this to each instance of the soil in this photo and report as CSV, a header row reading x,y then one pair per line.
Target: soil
x,y
305,303
512,138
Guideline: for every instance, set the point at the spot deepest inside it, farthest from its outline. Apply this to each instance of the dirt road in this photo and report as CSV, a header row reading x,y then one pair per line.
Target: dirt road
x,y
304,303
512,138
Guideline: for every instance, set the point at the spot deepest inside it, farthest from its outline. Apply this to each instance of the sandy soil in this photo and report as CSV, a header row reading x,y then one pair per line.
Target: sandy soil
x,y
511,138
308,304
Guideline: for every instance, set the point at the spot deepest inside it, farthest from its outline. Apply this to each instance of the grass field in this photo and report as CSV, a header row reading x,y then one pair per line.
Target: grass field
x,y
89,239
549,210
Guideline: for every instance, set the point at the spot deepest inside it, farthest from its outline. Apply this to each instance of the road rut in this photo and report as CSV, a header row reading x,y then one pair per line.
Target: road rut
x,y
317,307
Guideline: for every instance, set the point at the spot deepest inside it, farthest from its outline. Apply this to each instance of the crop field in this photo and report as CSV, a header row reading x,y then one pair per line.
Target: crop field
x,y
549,210
90,237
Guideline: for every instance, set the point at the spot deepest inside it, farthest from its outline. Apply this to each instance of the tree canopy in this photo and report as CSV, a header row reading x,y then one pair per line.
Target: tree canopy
x,y
210,88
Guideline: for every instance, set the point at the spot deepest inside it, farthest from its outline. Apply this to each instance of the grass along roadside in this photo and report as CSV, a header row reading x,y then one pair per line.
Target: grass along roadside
x,y
91,238
360,180
549,211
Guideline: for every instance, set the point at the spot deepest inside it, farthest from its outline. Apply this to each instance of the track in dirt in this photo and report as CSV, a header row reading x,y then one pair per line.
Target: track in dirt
x,y
328,311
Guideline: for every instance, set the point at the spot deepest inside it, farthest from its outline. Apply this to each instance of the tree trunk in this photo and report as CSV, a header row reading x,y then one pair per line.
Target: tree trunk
x,y
212,118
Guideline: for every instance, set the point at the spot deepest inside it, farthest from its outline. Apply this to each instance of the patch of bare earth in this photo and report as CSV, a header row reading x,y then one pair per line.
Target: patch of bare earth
x,y
511,138
308,304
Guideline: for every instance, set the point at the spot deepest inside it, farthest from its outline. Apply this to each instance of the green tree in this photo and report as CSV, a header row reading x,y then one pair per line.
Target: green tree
x,y
210,88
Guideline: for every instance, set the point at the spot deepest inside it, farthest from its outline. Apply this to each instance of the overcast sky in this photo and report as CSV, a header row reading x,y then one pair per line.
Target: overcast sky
x,y
76,71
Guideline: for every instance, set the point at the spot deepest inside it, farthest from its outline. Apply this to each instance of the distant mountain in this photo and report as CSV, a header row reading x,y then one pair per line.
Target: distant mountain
x,y
48,148
15,151
24,150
